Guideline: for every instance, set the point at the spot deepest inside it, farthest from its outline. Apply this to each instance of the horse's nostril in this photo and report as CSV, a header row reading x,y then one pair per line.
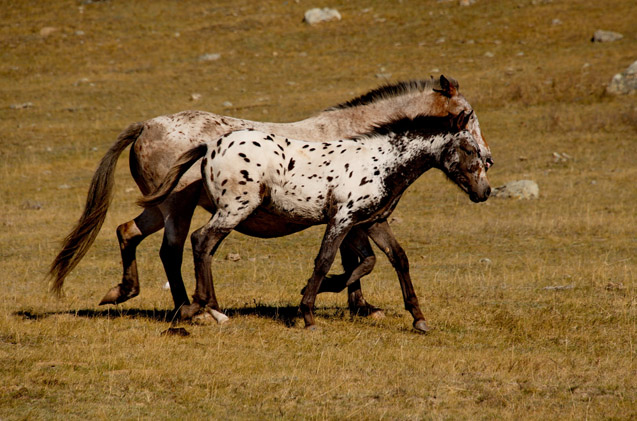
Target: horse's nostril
x,y
488,192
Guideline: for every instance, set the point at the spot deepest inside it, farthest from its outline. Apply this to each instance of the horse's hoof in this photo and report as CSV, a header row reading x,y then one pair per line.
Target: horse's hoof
x,y
117,295
377,315
421,326
203,318
187,312
218,316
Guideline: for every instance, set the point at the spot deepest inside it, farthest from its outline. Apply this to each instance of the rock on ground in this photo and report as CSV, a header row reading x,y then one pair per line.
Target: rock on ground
x,y
606,36
316,15
521,189
624,83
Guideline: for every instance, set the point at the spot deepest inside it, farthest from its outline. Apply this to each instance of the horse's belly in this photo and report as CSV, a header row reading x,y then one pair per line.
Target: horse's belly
x,y
266,225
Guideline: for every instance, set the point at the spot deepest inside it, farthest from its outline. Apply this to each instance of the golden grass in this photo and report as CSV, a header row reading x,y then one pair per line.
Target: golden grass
x,y
506,343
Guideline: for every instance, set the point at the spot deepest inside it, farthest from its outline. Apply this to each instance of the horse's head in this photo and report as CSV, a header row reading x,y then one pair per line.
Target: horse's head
x,y
462,162
451,101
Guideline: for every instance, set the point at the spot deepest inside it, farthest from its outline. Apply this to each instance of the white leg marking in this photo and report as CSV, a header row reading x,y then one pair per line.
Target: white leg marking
x,y
219,317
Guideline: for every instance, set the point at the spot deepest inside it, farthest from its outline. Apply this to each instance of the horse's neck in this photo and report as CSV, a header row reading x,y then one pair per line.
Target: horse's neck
x,y
414,156
350,121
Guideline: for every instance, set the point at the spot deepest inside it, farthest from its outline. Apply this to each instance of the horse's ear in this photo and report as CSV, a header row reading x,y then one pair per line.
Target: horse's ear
x,y
463,119
460,121
446,88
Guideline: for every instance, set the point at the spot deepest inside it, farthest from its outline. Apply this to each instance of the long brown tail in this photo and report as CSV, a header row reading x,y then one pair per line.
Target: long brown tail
x,y
183,164
100,194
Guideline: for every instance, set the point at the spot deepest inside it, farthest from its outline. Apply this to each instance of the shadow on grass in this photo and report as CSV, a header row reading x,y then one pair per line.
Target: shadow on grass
x,y
286,314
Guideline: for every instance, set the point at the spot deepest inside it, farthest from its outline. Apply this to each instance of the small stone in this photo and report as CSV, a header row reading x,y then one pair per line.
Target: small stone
x,y
520,189
47,31
383,76
395,220
31,205
195,97
561,157
466,2
606,36
615,286
485,261
317,15
555,22
21,106
209,57
489,54
64,187
624,83
227,104
559,287
233,257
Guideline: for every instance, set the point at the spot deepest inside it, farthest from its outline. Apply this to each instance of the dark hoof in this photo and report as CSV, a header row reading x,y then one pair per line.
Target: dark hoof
x,y
118,294
187,312
421,326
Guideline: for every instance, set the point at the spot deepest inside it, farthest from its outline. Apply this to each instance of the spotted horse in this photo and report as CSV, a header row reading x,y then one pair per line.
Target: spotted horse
x,y
156,144
268,185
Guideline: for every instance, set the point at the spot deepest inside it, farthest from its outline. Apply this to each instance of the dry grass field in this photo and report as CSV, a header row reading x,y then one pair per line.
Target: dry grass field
x,y
533,303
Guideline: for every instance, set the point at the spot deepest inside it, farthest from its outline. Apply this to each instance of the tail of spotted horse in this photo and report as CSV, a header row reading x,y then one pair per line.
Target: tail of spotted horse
x,y
183,164
98,199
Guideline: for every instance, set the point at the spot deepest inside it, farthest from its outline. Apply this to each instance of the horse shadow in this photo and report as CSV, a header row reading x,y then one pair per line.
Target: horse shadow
x,y
287,315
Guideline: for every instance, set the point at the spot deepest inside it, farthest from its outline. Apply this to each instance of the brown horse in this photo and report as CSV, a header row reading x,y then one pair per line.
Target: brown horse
x,y
158,142
266,185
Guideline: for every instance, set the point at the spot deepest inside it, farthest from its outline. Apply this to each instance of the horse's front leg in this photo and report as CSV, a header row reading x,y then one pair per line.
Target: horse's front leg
x,y
332,239
383,236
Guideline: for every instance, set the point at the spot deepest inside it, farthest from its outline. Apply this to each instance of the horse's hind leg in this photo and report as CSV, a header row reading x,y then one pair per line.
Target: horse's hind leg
x,y
358,260
383,236
205,242
130,234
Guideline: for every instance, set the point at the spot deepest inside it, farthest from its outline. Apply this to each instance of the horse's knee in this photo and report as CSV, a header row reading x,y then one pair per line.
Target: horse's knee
x,y
197,241
368,265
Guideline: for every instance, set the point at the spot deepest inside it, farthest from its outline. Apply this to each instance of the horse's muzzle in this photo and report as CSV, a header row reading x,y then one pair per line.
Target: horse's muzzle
x,y
482,196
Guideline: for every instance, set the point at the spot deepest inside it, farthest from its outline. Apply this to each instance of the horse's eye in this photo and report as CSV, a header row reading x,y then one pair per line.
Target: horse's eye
x,y
469,152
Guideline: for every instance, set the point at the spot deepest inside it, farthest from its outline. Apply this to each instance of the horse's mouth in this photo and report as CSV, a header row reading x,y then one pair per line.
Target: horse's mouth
x,y
474,196
478,198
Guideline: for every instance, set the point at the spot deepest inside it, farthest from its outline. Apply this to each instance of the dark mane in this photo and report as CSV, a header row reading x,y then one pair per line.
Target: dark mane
x,y
422,124
391,91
